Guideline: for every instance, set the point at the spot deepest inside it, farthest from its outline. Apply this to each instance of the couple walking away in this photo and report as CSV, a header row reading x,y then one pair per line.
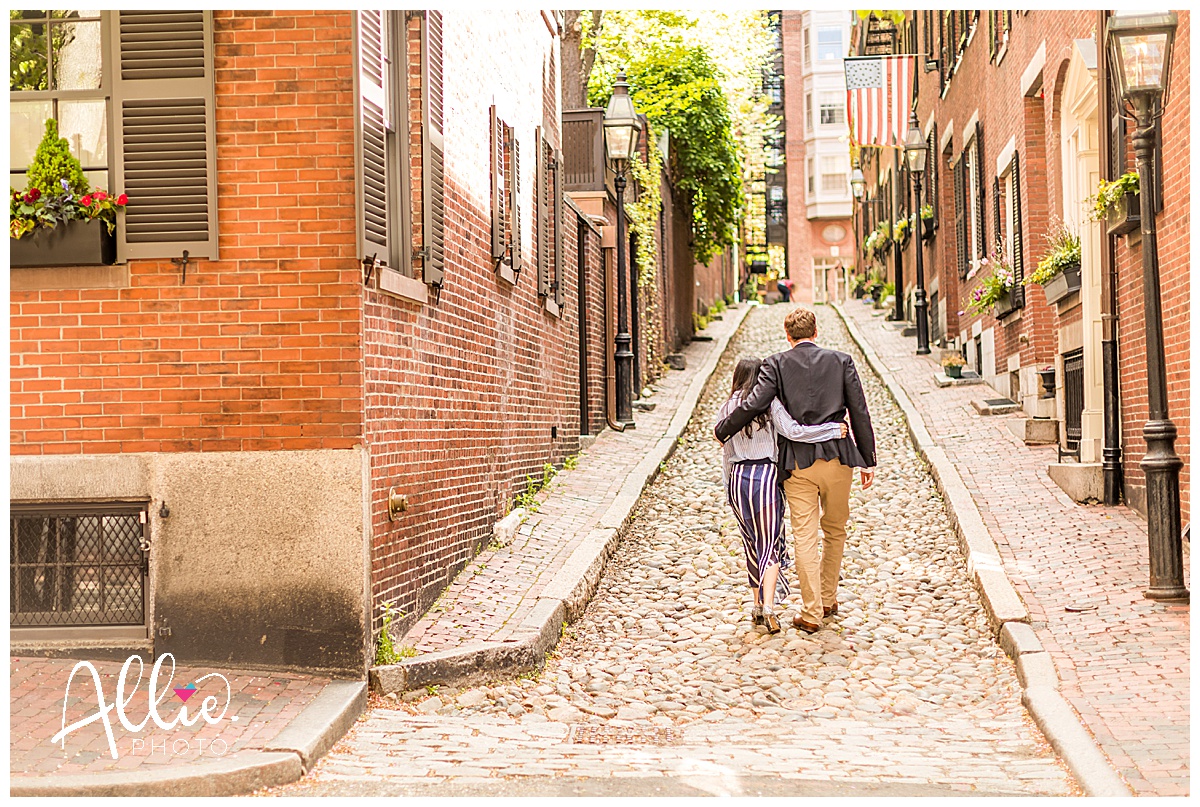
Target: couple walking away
x,y
784,427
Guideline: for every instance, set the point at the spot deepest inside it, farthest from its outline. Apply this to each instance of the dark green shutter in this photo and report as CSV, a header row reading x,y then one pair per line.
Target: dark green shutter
x,y
164,127
1018,237
432,155
933,164
981,217
960,215
997,224
541,216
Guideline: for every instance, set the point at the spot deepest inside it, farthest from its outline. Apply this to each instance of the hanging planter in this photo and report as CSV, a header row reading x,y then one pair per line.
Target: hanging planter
x,y
1003,305
1066,282
78,242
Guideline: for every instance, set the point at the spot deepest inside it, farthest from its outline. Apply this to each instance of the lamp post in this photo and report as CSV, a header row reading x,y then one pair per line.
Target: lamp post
x,y
621,132
857,183
914,154
1140,46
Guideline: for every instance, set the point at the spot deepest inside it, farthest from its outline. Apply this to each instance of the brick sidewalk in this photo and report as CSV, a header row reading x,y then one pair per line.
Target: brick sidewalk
x,y
262,703
497,590
1124,663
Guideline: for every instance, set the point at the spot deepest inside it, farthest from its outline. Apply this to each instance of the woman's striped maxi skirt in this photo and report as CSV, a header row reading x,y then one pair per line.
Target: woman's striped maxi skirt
x,y
757,504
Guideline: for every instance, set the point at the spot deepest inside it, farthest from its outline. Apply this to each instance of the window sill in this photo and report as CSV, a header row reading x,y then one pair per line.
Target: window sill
x,y
1000,53
1011,317
406,288
506,273
553,308
53,278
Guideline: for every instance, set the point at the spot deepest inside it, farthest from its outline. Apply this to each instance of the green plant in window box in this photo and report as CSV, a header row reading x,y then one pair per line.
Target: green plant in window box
x,y
57,192
1109,194
1062,254
901,231
926,212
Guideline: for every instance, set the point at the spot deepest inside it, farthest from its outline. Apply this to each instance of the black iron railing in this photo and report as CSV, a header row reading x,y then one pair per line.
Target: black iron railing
x,y
1073,393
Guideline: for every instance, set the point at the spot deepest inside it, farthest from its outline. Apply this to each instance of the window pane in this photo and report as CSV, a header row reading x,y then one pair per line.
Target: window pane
x,y
27,124
27,58
76,55
833,183
829,44
84,125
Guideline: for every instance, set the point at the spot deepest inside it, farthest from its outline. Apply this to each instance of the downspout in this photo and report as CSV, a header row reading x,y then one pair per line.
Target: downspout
x,y
1111,453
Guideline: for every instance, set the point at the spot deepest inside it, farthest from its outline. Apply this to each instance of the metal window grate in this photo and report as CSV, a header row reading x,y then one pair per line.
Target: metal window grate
x,y
1073,392
935,322
76,566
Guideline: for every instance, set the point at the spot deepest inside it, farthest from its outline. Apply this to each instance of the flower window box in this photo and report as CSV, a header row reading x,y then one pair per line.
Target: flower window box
x,y
1065,282
1124,216
78,242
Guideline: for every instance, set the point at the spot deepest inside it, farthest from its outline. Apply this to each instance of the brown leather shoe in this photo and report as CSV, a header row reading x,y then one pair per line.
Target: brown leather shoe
x,y
801,624
771,621
831,610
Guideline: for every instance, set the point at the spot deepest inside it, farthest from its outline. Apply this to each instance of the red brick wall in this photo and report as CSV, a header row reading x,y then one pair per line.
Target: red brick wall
x,y
257,351
1173,225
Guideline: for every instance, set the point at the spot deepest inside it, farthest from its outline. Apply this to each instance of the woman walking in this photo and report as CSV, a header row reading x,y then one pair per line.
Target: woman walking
x,y
752,489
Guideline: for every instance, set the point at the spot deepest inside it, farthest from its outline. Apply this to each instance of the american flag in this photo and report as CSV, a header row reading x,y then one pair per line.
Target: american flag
x,y
878,98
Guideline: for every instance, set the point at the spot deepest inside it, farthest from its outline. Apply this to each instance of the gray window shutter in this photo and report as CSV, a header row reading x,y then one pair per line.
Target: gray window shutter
x,y
1018,237
164,127
931,178
981,217
997,223
499,190
542,217
514,200
433,155
559,267
960,216
373,165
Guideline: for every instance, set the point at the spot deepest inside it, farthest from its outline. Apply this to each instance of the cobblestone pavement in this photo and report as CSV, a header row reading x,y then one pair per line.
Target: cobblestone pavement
x,y
1123,660
260,706
665,681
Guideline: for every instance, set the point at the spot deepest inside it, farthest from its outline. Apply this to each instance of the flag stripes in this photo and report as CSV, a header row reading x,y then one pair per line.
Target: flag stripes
x,y
878,98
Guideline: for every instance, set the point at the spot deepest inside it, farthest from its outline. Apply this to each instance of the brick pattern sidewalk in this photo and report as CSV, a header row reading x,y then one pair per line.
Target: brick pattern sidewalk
x,y
1123,663
497,590
262,703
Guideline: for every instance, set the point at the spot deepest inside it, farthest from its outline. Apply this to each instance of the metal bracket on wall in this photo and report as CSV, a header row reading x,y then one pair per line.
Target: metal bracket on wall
x,y
182,263
369,266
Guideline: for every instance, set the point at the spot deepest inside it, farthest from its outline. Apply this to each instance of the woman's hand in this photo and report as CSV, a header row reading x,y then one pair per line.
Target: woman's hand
x,y
845,429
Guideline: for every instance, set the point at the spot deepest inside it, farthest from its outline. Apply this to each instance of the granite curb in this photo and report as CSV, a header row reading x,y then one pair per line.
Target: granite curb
x,y
285,759
564,599
1006,612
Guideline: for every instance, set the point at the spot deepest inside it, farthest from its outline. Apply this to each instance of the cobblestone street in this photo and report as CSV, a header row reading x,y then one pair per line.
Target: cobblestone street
x,y
665,687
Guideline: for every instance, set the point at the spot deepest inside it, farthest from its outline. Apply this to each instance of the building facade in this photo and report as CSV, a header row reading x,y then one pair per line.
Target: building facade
x,y
1021,118
820,238
352,308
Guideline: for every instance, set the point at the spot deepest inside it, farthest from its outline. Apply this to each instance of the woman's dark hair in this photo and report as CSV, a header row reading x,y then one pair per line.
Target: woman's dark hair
x,y
745,373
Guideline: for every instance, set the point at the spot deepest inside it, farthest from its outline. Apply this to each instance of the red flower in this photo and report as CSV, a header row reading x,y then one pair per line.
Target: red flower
x,y
101,195
86,201
122,199
35,194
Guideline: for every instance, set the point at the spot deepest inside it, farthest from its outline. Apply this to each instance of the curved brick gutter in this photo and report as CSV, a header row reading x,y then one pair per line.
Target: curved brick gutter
x,y
284,759
574,583
1006,612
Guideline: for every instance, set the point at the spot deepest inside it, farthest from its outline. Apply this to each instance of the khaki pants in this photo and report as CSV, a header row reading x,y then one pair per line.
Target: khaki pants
x,y
819,494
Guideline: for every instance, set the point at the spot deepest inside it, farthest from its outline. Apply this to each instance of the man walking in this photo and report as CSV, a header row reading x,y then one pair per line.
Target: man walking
x,y
815,385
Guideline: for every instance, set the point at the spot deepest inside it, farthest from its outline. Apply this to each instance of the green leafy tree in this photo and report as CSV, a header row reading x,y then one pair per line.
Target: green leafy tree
x,y
53,162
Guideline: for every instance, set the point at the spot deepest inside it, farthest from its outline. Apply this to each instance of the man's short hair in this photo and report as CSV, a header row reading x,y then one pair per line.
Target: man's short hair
x,y
800,324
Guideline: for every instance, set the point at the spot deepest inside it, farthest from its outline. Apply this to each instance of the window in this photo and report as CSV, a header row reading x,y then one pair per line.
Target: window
x,y
808,112
1010,239
56,71
833,176
776,205
812,178
833,109
775,157
971,167
60,67
829,44
807,46
999,24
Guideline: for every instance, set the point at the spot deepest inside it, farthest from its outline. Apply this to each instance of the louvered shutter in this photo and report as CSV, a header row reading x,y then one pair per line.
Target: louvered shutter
x,y
164,127
931,183
997,224
559,259
515,200
960,216
541,216
373,165
981,214
432,150
1018,237
499,190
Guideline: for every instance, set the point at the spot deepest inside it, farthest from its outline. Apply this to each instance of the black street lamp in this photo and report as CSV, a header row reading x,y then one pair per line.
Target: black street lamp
x,y
914,153
622,130
1140,48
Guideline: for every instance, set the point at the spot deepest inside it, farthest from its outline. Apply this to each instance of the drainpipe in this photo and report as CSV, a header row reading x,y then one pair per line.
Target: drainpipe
x,y
1111,454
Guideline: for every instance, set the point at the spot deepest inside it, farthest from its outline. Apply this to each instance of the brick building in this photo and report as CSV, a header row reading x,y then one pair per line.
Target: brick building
x,y
1021,119
353,307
